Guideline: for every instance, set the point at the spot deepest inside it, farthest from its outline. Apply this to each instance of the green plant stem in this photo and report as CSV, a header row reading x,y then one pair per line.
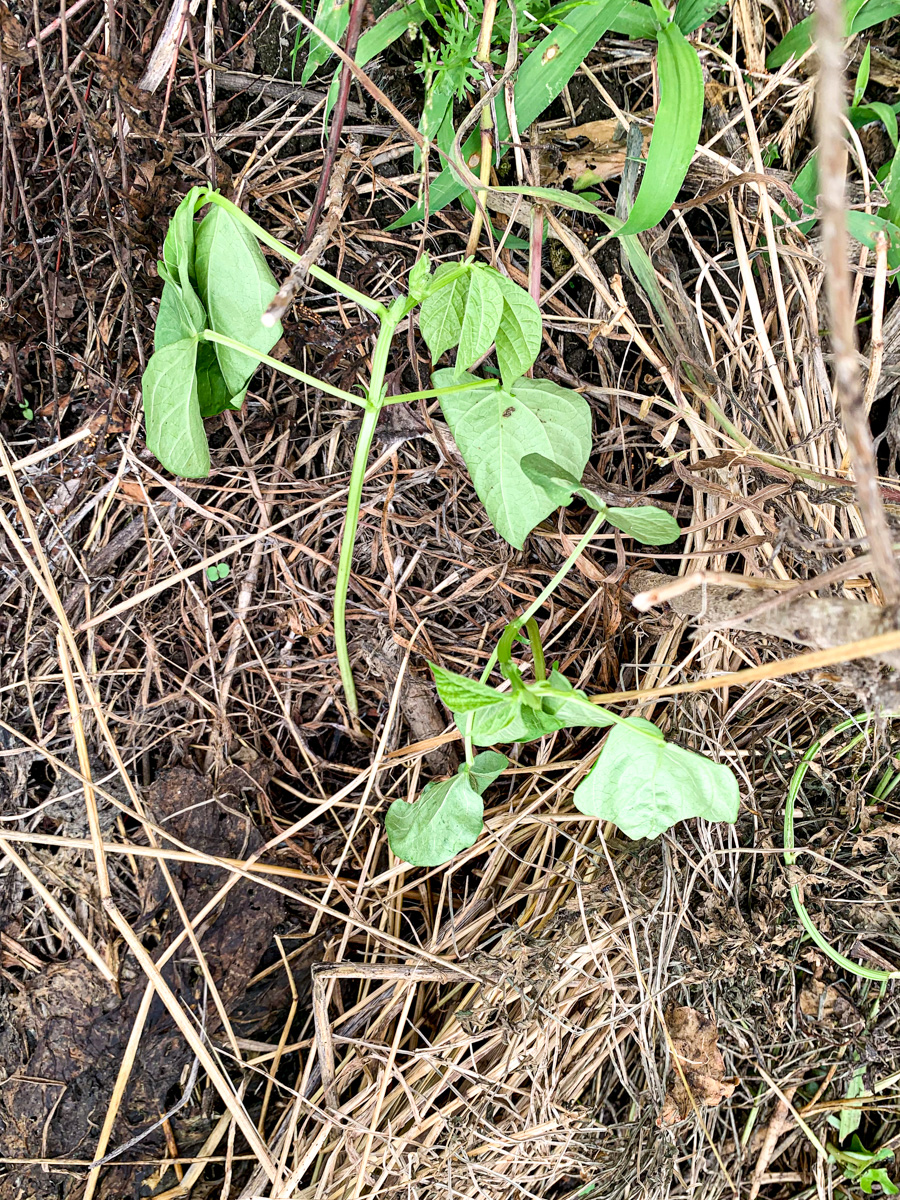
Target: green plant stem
x,y
532,608
374,403
790,857
447,391
483,58
345,562
210,336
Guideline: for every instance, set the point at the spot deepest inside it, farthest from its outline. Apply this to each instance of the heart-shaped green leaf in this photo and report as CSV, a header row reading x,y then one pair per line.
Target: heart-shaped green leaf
x,y
644,784
172,410
559,484
446,818
495,428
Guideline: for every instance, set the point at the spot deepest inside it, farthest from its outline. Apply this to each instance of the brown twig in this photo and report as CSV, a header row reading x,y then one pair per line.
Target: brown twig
x,y
848,384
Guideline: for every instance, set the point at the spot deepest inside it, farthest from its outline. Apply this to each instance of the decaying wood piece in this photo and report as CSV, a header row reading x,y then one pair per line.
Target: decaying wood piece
x,y
819,622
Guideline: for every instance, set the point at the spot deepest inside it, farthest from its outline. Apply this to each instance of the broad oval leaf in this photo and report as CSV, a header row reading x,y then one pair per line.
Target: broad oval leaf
x,y
519,334
441,313
212,391
675,130
494,429
644,784
446,818
647,524
481,318
235,285
172,410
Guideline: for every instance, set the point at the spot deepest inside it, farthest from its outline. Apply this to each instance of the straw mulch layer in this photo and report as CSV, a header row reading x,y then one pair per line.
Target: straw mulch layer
x,y
347,1026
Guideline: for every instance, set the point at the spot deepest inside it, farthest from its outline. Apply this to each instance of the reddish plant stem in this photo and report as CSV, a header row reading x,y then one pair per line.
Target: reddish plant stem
x,y
354,25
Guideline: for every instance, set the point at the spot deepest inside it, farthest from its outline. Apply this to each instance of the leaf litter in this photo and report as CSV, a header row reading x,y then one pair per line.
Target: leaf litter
x,y
540,1065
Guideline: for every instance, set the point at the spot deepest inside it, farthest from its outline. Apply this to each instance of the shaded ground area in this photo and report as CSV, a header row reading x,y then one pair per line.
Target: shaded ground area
x,y
561,1012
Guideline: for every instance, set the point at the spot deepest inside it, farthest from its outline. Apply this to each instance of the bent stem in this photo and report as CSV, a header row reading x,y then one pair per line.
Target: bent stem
x,y
345,562
374,404
531,610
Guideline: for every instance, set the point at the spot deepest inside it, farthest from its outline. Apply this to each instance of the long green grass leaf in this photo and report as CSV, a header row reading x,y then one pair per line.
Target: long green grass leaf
x,y
331,17
635,20
376,40
675,131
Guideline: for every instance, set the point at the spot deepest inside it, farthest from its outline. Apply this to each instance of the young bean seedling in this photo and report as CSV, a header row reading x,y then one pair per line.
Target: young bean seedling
x,y
526,444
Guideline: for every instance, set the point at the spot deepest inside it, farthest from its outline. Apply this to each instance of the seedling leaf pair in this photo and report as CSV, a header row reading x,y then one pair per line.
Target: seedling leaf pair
x,y
447,817
215,278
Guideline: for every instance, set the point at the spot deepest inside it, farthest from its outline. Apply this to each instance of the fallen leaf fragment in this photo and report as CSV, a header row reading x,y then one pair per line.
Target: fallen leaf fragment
x,y
692,1039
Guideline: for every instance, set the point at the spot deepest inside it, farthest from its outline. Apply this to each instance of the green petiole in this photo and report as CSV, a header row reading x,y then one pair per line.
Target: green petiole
x,y
210,335
375,401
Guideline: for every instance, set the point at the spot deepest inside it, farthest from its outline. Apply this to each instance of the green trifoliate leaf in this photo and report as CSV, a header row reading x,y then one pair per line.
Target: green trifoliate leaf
x,y
481,318
644,784
510,720
518,337
172,410
441,314
461,694
446,818
645,523
495,428
236,286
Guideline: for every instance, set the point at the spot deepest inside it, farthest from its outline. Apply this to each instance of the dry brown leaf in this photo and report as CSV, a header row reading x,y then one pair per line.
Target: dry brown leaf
x,y
693,1039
